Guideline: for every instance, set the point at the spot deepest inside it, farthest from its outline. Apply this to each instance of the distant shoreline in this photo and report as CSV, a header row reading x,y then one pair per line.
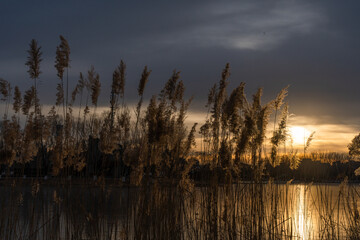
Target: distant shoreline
x,y
108,182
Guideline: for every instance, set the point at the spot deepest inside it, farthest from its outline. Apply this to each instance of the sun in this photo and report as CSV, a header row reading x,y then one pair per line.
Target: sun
x,y
298,134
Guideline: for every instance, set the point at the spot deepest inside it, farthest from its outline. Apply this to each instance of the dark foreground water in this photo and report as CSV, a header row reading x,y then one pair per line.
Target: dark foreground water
x,y
182,211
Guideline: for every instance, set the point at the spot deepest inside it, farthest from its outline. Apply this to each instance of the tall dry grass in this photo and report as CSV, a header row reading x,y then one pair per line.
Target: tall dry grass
x,y
153,195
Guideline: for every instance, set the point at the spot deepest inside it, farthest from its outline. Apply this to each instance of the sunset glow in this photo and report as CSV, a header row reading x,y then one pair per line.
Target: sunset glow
x,y
298,134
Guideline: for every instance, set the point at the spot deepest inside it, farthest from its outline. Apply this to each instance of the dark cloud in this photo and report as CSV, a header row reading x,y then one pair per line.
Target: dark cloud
x,y
311,46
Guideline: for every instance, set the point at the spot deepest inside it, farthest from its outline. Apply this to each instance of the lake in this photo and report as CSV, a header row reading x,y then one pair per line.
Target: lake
x,y
182,211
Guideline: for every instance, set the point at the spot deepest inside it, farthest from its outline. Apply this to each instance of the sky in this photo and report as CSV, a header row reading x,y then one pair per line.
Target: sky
x,y
312,46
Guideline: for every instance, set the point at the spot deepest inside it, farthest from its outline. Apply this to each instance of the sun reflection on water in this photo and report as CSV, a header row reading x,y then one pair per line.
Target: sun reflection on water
x,y
303,223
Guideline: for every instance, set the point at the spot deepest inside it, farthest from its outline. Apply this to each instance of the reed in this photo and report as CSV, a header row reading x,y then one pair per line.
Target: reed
x,y
119,177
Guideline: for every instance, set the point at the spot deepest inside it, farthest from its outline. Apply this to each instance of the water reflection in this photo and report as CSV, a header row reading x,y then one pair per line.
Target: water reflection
x,y
239,211
304,221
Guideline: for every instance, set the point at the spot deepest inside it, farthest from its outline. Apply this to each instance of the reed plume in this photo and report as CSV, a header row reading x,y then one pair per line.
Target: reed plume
x,y
81,84
17,100
308,141
262,122
279,135
62,61
143,80
211,96
5,91
95,85
219,100
65,49
34,59
247,132
29,98
190,142
234,107
279,101
121,83
33,62
117,90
